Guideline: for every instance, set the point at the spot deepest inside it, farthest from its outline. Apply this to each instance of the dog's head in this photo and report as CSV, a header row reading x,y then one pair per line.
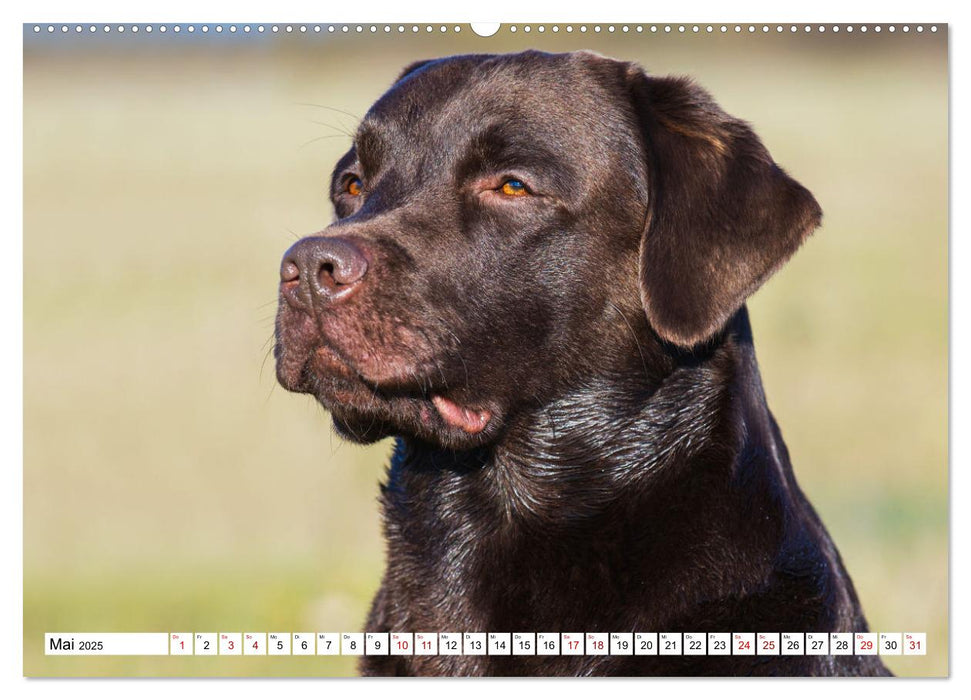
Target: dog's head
x,y
507,224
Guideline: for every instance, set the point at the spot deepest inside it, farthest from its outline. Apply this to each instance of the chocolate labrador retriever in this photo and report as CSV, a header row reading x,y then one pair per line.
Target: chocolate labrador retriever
x,y
536,282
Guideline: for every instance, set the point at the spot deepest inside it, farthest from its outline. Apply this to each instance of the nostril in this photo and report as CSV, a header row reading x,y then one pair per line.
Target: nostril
x,y
325,276
340,264
289,272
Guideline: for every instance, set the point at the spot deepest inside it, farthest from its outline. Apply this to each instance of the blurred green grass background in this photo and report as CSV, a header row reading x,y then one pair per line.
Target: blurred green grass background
x,y
168,486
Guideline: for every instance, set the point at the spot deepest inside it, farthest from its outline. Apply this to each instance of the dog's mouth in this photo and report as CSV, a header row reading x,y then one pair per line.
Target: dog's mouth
x,y
414,402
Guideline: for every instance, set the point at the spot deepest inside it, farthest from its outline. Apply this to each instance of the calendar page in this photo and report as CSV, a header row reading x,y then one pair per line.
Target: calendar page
x,y
547,349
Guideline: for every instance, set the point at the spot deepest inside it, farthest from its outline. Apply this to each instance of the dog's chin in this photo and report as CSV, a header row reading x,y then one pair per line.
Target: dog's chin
x,y
361,431
365,411
415,419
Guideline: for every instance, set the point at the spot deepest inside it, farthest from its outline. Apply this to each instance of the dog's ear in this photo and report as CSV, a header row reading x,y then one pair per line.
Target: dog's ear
x,y
412,67
722,216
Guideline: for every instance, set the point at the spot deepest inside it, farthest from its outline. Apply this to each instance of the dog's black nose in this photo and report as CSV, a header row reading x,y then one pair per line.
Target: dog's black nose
x,y
328,268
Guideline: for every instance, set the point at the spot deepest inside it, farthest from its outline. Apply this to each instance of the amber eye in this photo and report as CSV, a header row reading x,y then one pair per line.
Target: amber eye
x,y
354,186
514,188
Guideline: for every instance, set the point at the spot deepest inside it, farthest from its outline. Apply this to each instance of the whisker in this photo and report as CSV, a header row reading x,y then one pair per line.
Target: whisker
x,y
340,129
269,394
266,356
435,359
321,138
637,341
465,367
373,401
418,380
332,109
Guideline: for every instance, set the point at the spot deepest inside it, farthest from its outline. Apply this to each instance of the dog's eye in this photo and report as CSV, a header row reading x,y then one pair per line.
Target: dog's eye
x,y
514,188
354,186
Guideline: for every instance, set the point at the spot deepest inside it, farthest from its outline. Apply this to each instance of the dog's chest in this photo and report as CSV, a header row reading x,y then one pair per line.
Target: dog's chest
x,y
462,559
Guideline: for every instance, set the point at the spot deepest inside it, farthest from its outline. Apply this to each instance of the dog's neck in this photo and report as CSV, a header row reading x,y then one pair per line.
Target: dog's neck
x,y
624,429
619,487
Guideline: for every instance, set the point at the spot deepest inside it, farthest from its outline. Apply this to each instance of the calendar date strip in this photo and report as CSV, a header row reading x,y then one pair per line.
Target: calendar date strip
x,y
485,644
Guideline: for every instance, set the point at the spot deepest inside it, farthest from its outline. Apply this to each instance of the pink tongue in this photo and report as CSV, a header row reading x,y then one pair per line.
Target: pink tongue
x,y
465,419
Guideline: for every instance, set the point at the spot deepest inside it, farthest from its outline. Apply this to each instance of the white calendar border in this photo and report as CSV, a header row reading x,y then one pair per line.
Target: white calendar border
x,y
11,651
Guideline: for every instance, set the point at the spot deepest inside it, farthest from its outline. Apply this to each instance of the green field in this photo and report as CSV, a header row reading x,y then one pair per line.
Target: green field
x,y
168,486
